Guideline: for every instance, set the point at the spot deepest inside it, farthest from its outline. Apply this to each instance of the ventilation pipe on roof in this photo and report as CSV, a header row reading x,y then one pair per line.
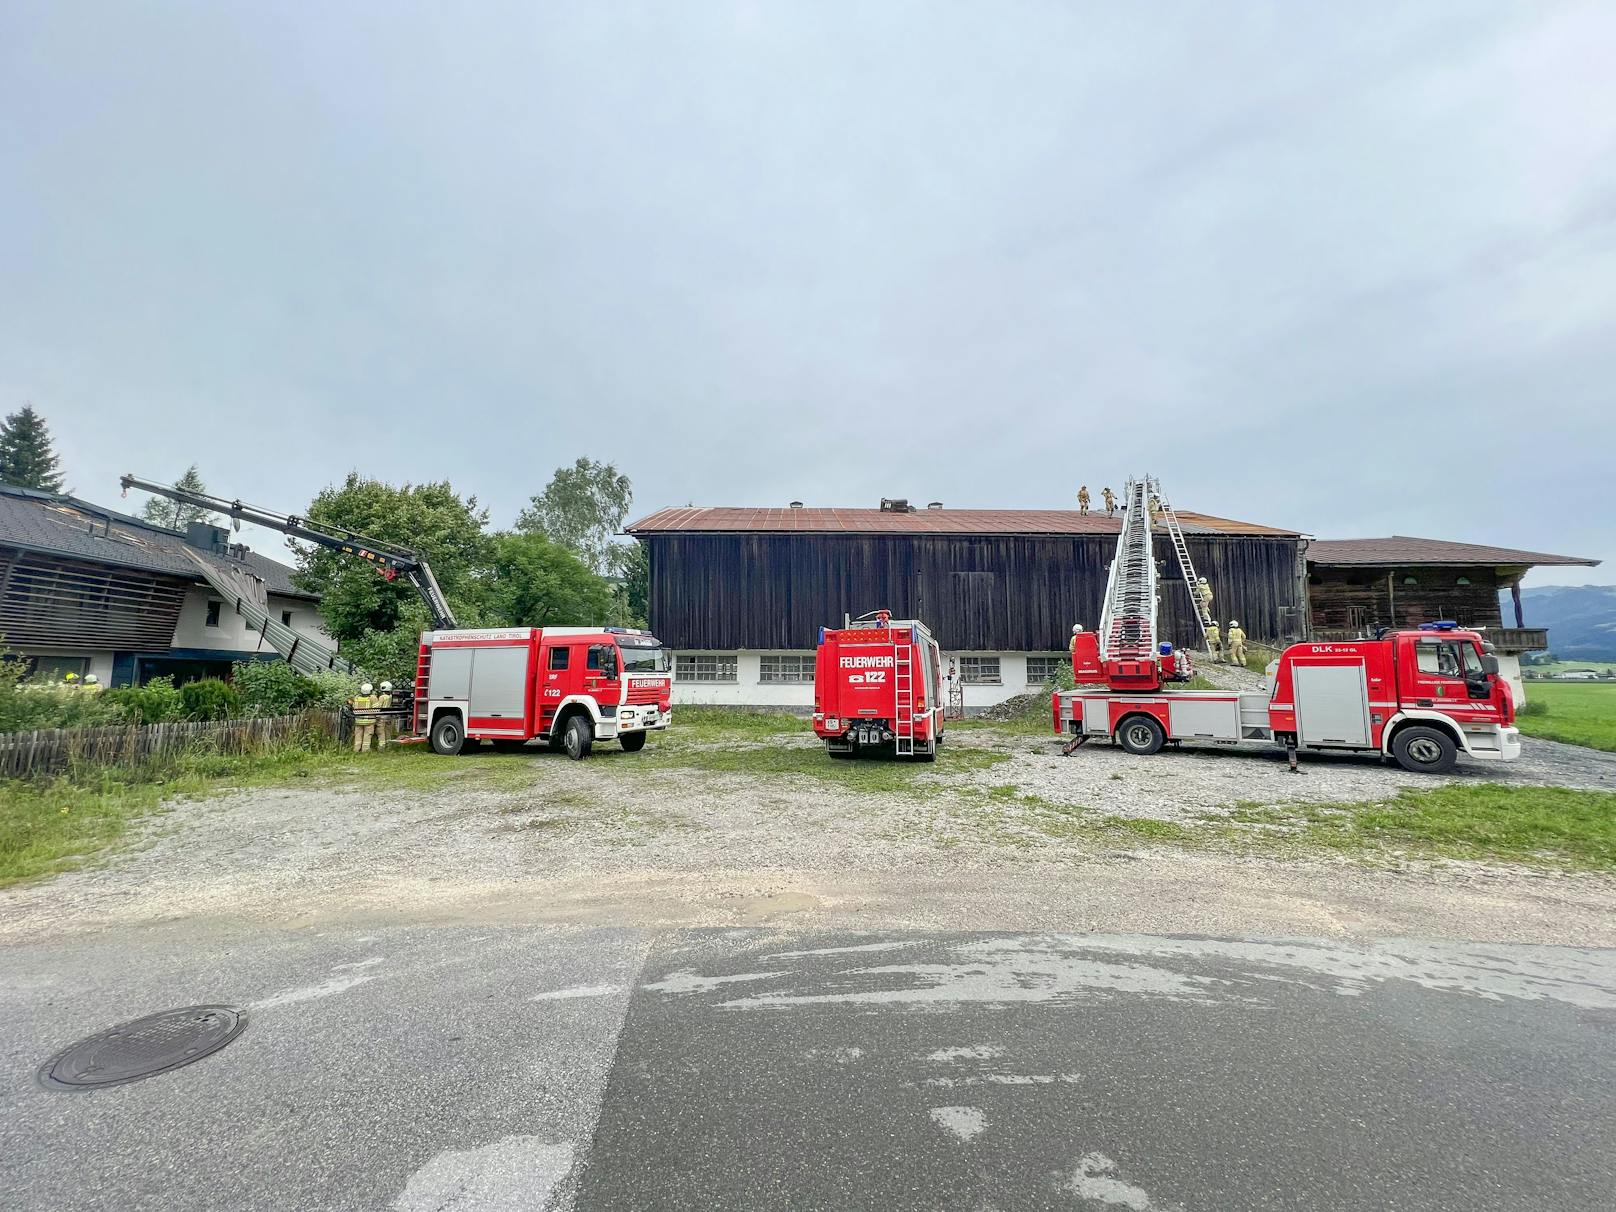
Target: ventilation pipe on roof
x,y
934,504
796,504
896,505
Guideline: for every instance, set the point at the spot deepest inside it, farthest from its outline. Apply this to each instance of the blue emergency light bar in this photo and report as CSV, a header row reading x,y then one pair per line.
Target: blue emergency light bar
x,y
1441,625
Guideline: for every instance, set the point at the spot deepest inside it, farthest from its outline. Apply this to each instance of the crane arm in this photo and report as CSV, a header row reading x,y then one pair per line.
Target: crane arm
x,y
389,557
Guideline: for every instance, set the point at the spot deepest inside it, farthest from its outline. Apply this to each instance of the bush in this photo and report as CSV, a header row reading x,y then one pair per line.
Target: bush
x,y
332,690
153,703
271,688
209,699
1534,707
28,705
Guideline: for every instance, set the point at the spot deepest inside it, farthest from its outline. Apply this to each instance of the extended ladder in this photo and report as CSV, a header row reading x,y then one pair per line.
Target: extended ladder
x,y
1128,621
903,728
1203,616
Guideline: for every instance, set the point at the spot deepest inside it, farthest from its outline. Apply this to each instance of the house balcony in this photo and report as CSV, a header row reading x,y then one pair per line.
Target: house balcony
x,y
1516,640
1511,641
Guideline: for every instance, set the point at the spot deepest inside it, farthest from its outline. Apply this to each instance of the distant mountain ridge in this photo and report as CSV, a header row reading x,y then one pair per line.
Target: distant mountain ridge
x,y
1581,619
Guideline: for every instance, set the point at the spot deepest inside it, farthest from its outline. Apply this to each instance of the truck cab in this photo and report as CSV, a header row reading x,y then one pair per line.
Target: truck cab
x,y
566,686
1421,697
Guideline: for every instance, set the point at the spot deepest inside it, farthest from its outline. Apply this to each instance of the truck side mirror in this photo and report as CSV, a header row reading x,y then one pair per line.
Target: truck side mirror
x,y
1489,663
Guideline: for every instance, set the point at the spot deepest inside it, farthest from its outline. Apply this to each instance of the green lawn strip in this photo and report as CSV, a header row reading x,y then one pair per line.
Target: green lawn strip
x,y
1559,825
1578,714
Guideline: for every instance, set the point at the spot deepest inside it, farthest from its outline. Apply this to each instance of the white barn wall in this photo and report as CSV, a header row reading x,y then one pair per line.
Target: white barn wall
x,y
748,691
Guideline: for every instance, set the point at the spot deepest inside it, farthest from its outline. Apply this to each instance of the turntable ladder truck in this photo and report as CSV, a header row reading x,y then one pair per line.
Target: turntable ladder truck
x,y
1421,696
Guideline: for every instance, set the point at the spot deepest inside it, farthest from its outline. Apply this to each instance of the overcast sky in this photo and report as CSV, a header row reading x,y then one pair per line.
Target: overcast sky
x,y
1346,268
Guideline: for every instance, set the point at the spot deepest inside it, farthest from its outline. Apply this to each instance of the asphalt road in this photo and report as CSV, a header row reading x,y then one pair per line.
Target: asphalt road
x,y
468,1067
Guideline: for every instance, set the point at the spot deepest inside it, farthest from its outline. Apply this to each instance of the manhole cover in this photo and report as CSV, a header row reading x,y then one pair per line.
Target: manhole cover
x,y
142,1048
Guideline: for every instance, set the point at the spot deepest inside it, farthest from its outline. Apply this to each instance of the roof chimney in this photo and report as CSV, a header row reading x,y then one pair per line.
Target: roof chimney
x,y
796,504
934,504
896,505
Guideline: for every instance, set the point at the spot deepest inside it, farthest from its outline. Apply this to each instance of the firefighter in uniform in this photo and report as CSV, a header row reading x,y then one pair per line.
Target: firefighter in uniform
x,y
1204,591
1077,630
1110,501
1214,641
384,720
1237,643
364,717
1083,499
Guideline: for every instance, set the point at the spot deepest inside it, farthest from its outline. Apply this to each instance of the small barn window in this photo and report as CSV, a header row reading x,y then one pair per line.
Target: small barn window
x,y
286,618
1041,670
706,667
795,670
980,671
213,613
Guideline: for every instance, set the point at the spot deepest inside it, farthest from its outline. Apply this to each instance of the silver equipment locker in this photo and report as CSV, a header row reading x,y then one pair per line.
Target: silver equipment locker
x,y
449,675
1332,705
498,683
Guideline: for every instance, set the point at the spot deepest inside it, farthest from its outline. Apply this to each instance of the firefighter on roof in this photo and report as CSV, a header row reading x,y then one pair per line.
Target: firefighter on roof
x,y
364,717
1083,499
1214,641
1237,643
1110,501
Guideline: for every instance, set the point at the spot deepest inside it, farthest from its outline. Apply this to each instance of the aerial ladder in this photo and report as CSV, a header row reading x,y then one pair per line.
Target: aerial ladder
x,y
1124,653
247,594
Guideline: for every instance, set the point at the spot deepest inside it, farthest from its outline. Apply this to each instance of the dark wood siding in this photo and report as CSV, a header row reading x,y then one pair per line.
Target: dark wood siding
x,y
47,602
977,593
1359,599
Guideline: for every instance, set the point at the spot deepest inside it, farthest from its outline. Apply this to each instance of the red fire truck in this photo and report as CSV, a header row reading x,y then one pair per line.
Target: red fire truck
x,y
568,686
1421,697
878,686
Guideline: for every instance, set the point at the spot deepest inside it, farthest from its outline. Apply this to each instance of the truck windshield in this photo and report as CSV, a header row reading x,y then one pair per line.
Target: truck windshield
x,y
643,656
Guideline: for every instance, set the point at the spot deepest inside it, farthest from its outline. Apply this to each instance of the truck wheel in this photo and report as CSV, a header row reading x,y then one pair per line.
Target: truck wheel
x,y
1141,734
447,735
579,737
632,742
1425,750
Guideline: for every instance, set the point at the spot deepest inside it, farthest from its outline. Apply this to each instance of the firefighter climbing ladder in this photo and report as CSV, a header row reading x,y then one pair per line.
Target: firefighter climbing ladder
x,y
1181,550
1128,622
903,685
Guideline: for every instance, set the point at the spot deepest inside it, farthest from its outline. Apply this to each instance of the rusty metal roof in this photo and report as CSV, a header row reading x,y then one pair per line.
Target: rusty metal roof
x,y
921,521
1401,551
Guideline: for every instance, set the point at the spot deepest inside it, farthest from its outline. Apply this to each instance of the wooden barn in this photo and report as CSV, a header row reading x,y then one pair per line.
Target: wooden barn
x,y
740,594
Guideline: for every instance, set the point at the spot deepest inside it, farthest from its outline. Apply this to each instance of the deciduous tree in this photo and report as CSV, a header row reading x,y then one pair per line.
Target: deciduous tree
x,y
582,508
176,515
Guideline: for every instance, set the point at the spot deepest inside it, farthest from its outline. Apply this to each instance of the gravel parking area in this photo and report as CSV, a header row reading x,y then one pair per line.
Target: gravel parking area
x,y
971,842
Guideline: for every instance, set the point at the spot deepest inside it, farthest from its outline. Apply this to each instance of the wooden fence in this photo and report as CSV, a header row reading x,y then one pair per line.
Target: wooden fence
x,y
46,751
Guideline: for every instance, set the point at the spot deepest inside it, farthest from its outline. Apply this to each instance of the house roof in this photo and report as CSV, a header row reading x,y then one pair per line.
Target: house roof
x,y
1403,551
66,526
921,521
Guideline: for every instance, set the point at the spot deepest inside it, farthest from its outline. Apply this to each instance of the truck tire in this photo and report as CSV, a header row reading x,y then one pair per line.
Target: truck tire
x,y
1141,734
632,742
1425,750
579,737
448,735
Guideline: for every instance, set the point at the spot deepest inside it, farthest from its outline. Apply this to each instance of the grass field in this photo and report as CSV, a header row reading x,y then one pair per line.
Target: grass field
x,y
1577,713
1466,821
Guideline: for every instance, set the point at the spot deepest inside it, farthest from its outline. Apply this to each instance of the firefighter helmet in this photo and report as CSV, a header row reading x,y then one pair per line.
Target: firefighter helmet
x,y
365,687
386,687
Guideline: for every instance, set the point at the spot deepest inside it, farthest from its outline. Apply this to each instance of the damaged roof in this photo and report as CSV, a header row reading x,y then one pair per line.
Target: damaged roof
x,y
66,526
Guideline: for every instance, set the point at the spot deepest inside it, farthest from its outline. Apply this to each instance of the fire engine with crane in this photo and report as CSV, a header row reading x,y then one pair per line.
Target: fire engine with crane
x,y
878,687
1420,697
566,686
